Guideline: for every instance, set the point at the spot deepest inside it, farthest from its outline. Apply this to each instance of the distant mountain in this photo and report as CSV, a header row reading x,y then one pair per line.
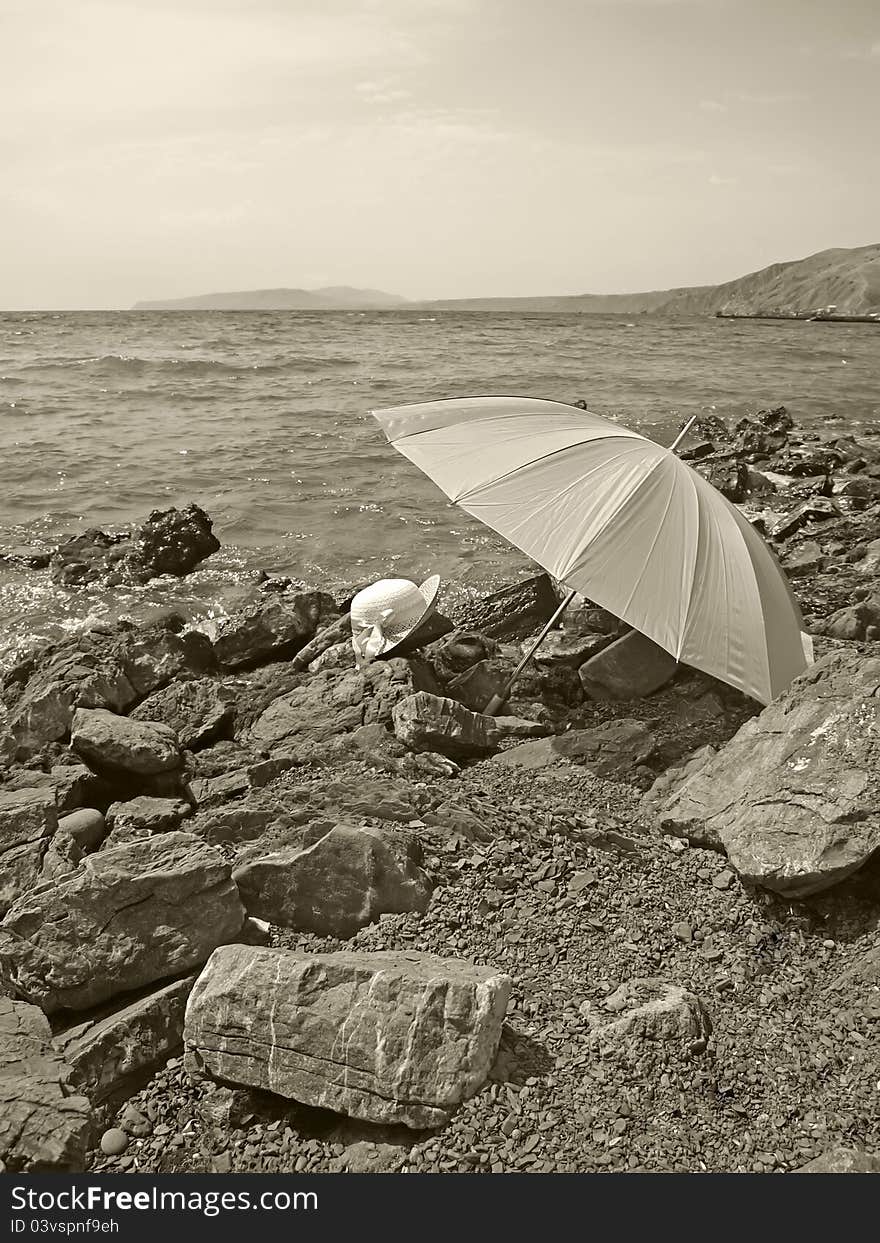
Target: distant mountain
x,y
847,279
333,298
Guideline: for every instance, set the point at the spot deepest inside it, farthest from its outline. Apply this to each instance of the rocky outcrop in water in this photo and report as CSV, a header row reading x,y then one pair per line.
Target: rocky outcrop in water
x,y
170,541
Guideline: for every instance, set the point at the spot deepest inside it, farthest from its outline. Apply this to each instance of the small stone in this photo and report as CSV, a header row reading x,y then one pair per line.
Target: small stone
x,y
683,932
722,880
114,1142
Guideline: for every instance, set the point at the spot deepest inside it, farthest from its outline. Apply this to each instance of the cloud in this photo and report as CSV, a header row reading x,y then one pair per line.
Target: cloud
x,y
712,105
383,92
716,180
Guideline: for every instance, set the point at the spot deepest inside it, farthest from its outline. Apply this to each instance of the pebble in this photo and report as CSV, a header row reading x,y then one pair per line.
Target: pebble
x,y
114,1142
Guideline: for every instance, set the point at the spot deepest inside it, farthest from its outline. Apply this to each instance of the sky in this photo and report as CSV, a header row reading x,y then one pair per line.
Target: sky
x,y
431,148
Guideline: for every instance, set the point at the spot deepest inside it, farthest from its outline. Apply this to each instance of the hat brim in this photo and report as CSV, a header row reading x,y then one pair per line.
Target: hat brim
x,y
429,589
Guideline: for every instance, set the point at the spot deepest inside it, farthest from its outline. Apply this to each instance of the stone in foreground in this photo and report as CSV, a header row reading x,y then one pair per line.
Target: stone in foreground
x,y
127,916
385,1037
794,797
841,1161
344,881
629,668
434,723
44,1124
649,1009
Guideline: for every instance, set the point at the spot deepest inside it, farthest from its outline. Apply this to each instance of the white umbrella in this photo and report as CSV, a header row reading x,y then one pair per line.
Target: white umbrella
x,y
621,520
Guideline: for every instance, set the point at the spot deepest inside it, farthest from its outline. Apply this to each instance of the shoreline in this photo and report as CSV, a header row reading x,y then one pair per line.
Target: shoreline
x,y
670,1009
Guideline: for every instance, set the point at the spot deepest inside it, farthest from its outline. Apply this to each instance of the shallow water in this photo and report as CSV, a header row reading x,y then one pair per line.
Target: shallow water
x,y
263,419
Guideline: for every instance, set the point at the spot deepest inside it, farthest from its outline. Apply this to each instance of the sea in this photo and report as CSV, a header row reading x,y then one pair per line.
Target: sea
x,y
263,419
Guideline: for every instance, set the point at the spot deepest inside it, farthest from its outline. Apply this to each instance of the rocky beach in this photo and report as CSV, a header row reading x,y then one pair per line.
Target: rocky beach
x,y
261,910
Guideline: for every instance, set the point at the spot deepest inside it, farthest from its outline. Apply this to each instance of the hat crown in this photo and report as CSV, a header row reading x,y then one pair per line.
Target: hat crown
x,y
394,602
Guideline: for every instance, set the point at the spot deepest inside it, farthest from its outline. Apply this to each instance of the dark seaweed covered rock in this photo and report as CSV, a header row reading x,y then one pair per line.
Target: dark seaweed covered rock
x,y
170,541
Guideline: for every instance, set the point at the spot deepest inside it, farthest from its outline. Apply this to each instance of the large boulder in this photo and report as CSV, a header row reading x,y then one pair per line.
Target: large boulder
x,y
427,722
345,880
794,797
28,820
44,1124
629,668
107,741
274,627
198,711
332,703
111,1049
170,541
385,1037
615,747
127,916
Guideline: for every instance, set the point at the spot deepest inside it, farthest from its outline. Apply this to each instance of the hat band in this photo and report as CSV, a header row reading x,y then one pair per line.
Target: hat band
x,y
371,639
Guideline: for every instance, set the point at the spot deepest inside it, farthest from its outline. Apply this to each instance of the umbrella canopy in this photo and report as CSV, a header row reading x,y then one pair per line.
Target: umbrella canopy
x,y
621,520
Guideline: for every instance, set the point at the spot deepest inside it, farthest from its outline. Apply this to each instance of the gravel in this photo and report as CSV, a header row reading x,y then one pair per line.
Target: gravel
x,y
557,878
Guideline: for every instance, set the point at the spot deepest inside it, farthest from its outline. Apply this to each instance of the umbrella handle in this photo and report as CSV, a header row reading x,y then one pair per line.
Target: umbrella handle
x,y
497,702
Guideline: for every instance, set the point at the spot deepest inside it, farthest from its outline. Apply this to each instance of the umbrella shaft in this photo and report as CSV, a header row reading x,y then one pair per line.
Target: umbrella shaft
x,y
681,435
502,698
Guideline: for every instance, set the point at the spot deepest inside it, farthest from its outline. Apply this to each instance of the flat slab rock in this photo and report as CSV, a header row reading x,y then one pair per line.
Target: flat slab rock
x,y
617,746
335,702
111,1048
794,797
44,1123
384,1037
127,916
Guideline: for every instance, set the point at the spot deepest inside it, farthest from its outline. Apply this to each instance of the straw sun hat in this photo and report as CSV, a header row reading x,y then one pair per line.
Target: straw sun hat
x,y
386,612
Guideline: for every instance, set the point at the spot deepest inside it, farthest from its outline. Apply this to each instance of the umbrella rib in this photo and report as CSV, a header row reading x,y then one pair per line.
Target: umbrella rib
x,y
490,483
690,592
623,504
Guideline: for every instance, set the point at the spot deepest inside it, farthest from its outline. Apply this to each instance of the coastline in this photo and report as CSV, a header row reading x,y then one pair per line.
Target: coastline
x,y
153,750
